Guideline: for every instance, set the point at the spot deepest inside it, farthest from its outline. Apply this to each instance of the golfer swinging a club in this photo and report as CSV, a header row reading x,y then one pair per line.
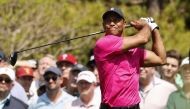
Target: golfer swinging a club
x,y
119,58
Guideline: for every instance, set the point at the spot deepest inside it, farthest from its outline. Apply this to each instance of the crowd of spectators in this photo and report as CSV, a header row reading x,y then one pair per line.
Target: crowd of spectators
x,y
66,84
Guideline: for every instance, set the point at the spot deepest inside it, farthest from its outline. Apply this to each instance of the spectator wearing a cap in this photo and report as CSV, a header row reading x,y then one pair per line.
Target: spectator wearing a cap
x,y
44,63
65,62
71,86
154,92
2,59
180,99
24,76
54,97
91,65
7,101
86,83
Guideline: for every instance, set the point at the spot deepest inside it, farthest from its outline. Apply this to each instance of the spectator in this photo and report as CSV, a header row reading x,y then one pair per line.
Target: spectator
x,y
86,83
25,77
45,63
65,62
7,101
54,97
180,99
154,92
92,67
38,83
71,86
169,71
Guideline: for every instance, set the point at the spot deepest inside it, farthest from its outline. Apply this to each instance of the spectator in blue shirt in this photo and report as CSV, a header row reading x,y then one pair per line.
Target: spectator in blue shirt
x,y
54,97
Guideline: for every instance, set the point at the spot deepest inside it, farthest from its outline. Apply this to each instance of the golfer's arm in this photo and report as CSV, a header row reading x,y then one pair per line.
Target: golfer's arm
x,y
158,54
141,38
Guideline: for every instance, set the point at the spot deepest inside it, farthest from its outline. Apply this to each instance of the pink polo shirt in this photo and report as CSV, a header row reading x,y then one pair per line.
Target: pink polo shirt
x,y
118,71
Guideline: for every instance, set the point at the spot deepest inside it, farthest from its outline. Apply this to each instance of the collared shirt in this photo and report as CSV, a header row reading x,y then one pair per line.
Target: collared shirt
x,y
78,104
178,100
43,102
156,94
2,102
118,71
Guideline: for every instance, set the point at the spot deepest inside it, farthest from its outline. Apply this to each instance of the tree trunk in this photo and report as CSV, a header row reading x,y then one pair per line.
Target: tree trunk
x,y
154,7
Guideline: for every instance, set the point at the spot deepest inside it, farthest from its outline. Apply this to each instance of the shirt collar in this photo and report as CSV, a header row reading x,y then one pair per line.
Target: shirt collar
x,y
155,81
91,103
46,98
5,100
182,93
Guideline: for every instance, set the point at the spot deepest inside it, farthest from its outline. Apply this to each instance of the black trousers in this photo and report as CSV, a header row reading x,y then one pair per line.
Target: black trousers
x,y
106,106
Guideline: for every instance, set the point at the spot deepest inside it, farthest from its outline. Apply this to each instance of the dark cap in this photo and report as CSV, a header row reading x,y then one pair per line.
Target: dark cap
x,y
54,70
115,10
79,67
2,56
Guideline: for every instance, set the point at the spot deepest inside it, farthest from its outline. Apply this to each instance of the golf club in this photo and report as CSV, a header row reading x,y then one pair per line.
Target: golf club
x,y
13,57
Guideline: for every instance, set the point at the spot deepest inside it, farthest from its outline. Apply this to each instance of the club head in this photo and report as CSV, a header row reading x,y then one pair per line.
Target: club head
x,y
13,58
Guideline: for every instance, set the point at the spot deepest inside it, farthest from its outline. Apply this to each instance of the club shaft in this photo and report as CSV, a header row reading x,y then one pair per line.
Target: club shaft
x,y
92,34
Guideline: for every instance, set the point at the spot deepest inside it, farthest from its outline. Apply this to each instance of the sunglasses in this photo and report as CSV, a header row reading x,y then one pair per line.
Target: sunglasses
x,y
6,80
47,78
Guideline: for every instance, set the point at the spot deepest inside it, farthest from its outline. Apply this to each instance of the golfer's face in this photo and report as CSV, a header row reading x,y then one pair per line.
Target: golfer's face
x,y
113,24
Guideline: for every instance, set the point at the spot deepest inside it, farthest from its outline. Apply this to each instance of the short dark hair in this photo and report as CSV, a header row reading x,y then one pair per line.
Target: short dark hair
x,y
174,54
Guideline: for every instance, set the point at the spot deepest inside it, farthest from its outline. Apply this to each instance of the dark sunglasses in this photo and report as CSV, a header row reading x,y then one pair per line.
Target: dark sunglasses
x,y
6,80
47,78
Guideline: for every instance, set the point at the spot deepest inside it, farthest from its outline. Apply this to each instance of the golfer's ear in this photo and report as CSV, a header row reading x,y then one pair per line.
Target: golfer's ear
x,y
125,24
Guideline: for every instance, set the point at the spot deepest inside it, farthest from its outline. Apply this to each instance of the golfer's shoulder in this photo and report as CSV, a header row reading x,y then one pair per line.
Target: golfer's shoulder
x,y
108,40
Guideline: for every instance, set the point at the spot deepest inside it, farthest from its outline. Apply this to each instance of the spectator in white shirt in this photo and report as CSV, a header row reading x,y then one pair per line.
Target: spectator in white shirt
x,y
154,92
86,83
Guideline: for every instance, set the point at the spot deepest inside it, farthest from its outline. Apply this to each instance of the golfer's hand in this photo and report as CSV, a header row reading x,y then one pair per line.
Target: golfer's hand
x,y
150,22
138,24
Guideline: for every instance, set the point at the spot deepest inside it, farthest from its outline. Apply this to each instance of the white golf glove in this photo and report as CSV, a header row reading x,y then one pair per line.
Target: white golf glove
x,y
150,22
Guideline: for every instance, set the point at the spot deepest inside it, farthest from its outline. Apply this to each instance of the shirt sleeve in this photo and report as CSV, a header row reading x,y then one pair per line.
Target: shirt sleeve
x,y
141,53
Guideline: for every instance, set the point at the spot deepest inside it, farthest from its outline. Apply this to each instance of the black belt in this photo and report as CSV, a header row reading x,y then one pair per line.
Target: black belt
x,y
106,106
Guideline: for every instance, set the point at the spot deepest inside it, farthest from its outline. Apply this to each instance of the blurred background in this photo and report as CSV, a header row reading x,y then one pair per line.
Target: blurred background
x,y
30,23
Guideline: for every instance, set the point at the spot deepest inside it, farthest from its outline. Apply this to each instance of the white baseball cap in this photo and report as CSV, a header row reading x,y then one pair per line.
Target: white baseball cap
x,y
87,76
8,71
185,61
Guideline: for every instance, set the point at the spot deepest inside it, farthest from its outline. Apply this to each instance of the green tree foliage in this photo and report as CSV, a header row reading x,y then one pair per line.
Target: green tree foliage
x,y
30,23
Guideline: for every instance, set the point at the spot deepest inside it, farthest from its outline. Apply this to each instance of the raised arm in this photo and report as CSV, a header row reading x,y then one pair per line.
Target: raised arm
x,y
158,55
141,38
